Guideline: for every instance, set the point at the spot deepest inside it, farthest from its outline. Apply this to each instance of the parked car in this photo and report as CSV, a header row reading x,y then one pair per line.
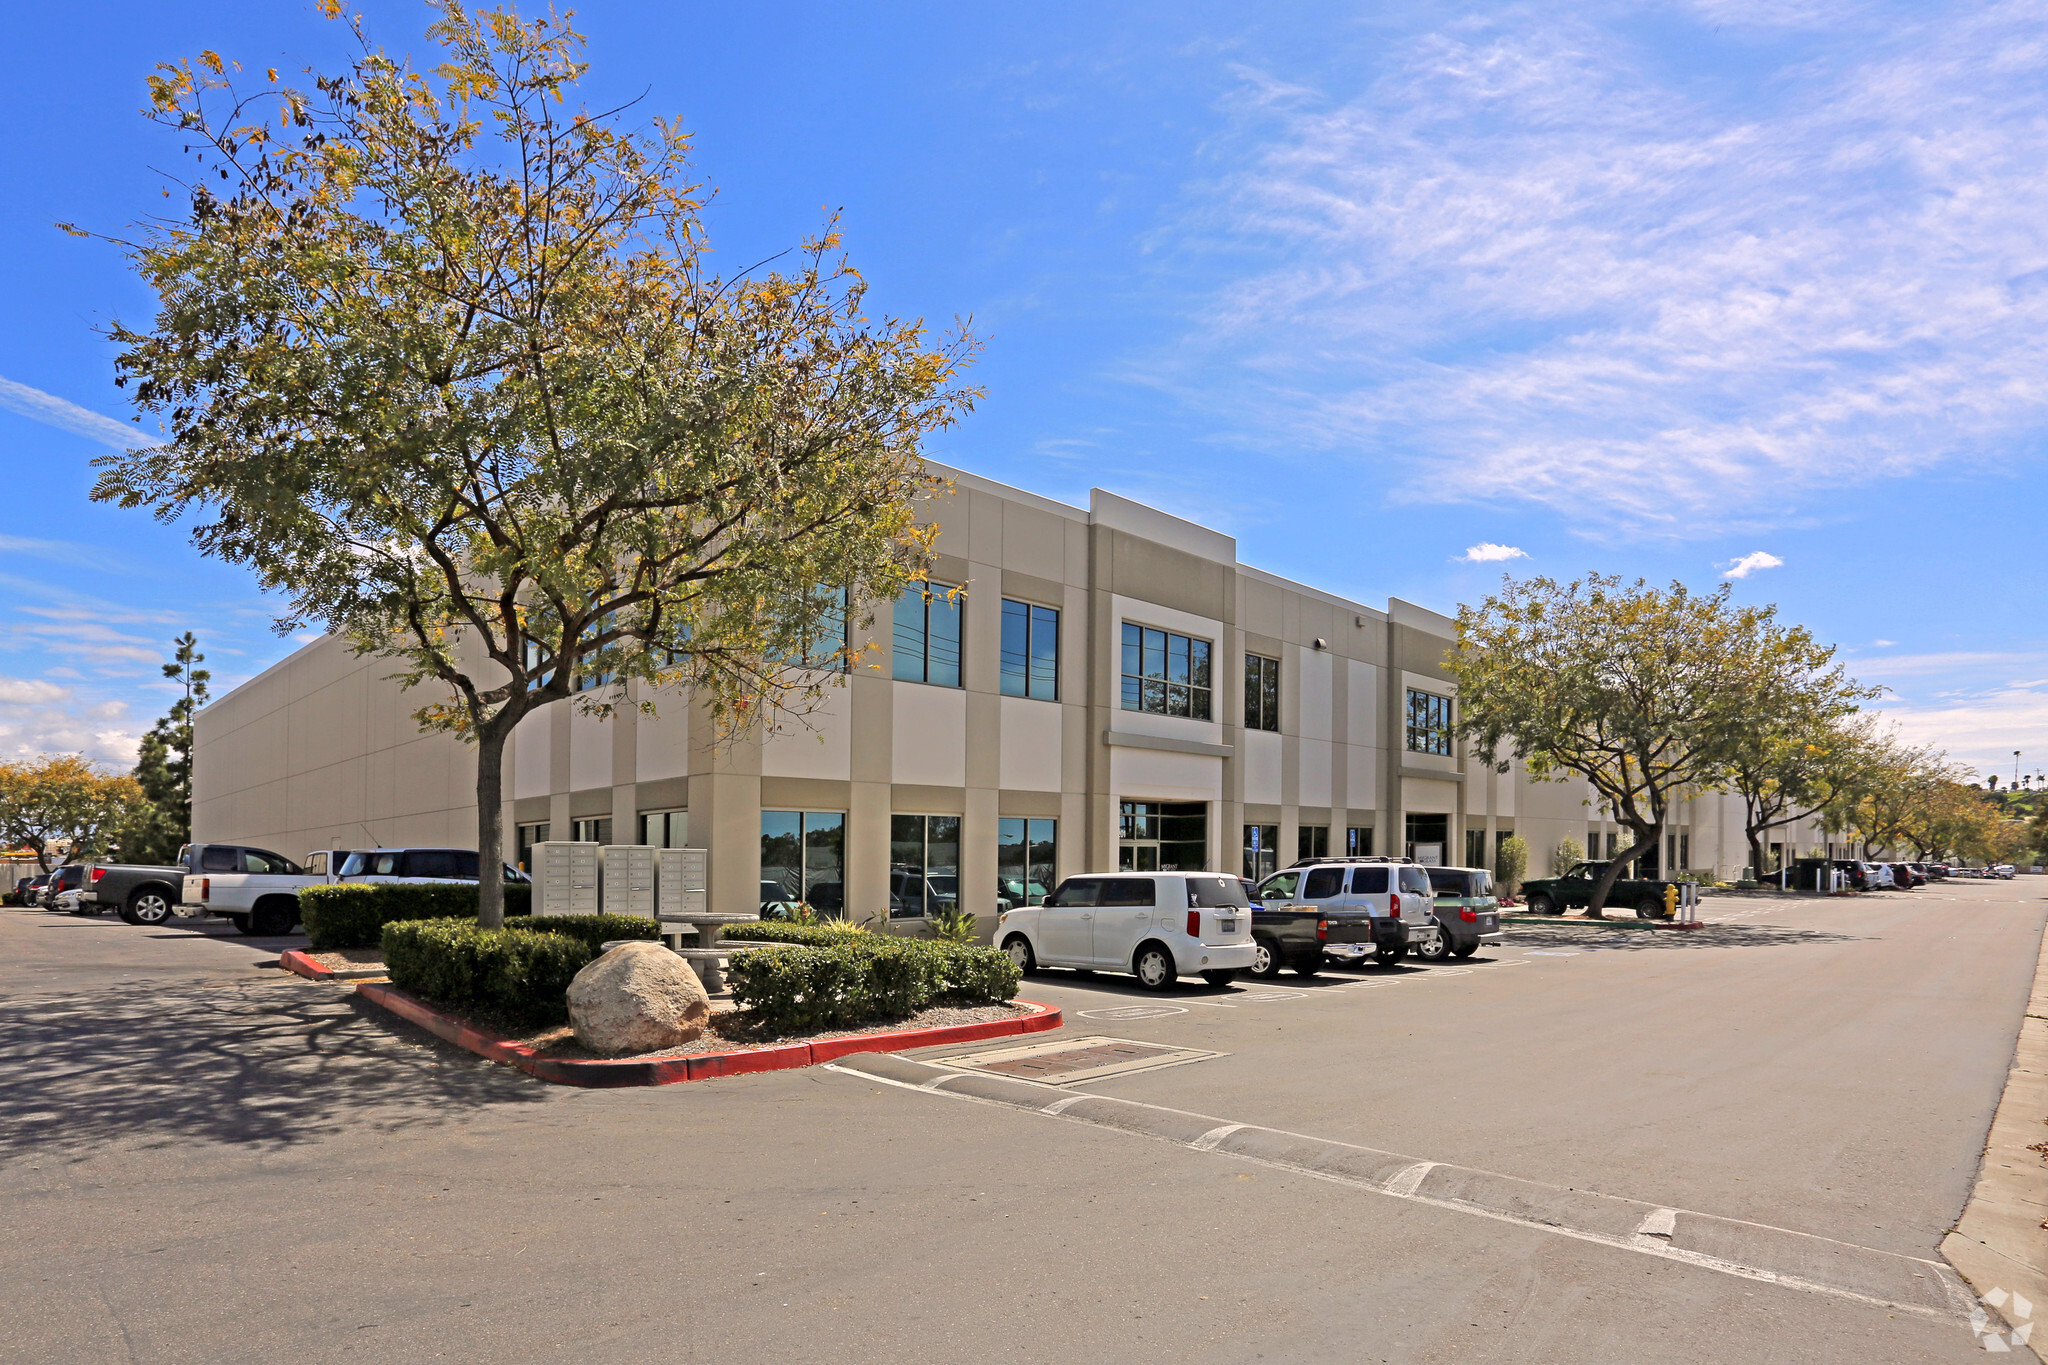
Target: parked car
x,y
1467,912
1393,893
1905,878
2002,871
253,889
1303,912
1554,895
140,893
417,865
15,893
63,879
32,890
1154,925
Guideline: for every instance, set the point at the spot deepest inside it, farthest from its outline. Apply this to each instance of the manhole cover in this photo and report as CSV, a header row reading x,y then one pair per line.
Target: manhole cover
x,y
1134,1012
1078,1059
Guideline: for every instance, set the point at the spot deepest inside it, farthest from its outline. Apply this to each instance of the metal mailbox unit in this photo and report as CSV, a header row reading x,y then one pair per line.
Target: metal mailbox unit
x,y
627,874
684,877
565,878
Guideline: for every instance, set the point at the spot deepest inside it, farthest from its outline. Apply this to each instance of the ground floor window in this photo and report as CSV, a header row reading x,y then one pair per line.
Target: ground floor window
x,y
1163,836
1500,836
1261,851
1312,841
1475,848
803,859
665,828
924,865
1358,841
1025,857
527,837
1428,837
595,831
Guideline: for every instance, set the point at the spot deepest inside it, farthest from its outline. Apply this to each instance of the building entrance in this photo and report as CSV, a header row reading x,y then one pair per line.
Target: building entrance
x,y
1163,836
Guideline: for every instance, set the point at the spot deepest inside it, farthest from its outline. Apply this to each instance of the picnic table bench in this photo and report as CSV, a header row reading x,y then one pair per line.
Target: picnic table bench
x,y
705,957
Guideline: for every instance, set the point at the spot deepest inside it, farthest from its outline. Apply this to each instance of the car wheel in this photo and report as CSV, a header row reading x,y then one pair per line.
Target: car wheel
x,y
1466,949
1018,948
272,921
1307,966
1265,958
1540,904
147,907
1650,907
1153,966
1436,949
1220,978
242,924
1387,957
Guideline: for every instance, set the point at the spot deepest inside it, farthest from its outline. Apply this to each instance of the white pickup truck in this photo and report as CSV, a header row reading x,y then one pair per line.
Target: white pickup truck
x,y
253,889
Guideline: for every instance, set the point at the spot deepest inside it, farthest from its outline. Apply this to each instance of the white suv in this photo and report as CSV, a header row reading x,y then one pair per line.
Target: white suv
x,y
1154,925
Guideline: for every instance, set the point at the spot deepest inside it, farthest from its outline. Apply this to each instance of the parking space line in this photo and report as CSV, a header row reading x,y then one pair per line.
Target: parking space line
x,y
1207,1141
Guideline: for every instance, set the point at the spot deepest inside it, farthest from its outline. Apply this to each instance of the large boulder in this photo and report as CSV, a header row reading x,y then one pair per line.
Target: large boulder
x,y
639,997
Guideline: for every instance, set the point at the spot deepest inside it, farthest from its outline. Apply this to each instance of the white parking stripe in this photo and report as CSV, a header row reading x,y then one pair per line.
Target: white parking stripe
x,y
1207,1141
1408,1179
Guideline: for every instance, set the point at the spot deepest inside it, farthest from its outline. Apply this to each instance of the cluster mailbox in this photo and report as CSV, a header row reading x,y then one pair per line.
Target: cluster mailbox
x,y
619,879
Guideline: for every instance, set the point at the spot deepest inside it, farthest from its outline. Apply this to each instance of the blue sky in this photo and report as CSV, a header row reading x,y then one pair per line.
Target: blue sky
x,y
1662,290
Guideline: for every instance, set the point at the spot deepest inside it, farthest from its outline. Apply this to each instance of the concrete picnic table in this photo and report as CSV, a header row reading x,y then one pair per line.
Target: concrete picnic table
x,y
708,927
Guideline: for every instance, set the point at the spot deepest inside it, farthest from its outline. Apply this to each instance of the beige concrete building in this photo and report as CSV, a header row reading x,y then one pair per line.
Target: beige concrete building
x,y
1081,690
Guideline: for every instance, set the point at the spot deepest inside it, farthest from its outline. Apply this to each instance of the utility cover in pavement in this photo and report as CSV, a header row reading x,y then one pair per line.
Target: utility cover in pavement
x,y
1077,1059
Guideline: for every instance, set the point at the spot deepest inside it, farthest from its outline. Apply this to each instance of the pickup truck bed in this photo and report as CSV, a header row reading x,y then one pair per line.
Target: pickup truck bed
x,y
140,893
1297,936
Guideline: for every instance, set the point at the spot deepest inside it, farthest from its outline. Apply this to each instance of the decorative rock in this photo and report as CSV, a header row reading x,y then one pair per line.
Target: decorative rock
x,y
638,997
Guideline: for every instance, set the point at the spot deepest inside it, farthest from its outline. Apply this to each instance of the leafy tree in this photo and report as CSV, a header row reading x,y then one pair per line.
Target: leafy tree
x,y
1891,794
1792,763
1510,863
1642,693
443,360
59,802
161,824
1564,855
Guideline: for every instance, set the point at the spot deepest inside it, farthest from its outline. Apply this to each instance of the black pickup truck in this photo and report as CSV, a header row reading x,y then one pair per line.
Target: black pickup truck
x,y
1555,895
141,894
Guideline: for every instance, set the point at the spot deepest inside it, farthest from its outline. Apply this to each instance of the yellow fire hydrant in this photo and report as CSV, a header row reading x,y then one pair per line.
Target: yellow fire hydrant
x,y
1670,902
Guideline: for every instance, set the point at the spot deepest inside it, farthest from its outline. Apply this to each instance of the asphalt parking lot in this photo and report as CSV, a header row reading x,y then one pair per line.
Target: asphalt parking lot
x,y
206,1160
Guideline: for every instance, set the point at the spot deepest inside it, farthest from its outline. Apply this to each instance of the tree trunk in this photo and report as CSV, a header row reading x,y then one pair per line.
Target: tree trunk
x,y
490,822
1756,853
1644,842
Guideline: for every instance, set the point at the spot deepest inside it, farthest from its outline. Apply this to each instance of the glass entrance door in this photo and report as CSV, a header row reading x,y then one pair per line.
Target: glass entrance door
x,y
1163,836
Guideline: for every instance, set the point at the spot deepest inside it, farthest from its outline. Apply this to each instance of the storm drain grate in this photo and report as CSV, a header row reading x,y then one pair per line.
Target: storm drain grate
x,y
1077,1059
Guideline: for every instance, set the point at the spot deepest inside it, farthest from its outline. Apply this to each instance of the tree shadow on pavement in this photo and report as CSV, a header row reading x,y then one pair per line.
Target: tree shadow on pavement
x,y
1582,938
250,1064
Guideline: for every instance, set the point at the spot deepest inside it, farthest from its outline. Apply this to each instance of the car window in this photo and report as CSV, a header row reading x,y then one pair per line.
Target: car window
x,y
316,864
1122,891
1414,881
1368,881
215,859
466,864
1321,883
1447,881
1279,887
1075,892
430,862
1216,892
267,863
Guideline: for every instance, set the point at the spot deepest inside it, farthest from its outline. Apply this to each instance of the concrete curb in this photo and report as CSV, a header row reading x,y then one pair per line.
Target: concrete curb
x,y
306,965
699,1066
1999,1242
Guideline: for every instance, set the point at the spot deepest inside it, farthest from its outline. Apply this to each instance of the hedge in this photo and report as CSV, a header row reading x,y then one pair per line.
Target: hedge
x,y
594,930
352,914
855,978
827,935
513,975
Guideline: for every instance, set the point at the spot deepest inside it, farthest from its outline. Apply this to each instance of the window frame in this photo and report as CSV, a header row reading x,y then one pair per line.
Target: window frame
x,y
924,868
1437,725
901,646
1152,693
1029,827
1034,618
1261,692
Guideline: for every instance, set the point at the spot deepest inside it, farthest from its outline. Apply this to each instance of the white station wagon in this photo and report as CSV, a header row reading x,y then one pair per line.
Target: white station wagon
x,y
1155,925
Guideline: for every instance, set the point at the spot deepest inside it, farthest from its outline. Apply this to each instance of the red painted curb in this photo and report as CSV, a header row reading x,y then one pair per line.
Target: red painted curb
x,y
292,960
702,1066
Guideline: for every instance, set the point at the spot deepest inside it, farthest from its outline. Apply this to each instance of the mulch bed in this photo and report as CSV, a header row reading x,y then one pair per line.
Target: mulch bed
x,y
736,1032
347,959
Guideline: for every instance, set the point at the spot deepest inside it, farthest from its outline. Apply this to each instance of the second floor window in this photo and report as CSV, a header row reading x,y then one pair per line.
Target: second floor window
x,y
1429,722
1031,651
1261,693
926,638
1165,674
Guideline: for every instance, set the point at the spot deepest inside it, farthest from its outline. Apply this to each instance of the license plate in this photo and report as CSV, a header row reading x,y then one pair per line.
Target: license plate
x,y
1228,926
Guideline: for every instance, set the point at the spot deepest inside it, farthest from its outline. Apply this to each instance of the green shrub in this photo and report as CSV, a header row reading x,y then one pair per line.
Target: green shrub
x,y
352,914
824,934
513,976
594,930
952,926
861,977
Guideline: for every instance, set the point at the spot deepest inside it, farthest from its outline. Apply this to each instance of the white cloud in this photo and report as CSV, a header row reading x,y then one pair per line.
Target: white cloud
x,y
42,718
1750,563
1486,552
1982,729
1884,644
1531,263
57,412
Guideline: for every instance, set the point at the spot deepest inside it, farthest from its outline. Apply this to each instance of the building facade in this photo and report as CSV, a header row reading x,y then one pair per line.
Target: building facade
x,y
1078,690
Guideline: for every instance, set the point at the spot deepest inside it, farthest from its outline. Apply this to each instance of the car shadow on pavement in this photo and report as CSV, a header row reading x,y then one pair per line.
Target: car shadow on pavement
x,y
1579,938
249,1064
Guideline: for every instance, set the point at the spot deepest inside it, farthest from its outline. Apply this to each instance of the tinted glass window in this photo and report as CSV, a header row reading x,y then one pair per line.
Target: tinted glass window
x,y
1414,881
266,863
1322,883
1279,887
1128,891
430,862
465,863
1216,892
1075,891
1368,881
220,860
